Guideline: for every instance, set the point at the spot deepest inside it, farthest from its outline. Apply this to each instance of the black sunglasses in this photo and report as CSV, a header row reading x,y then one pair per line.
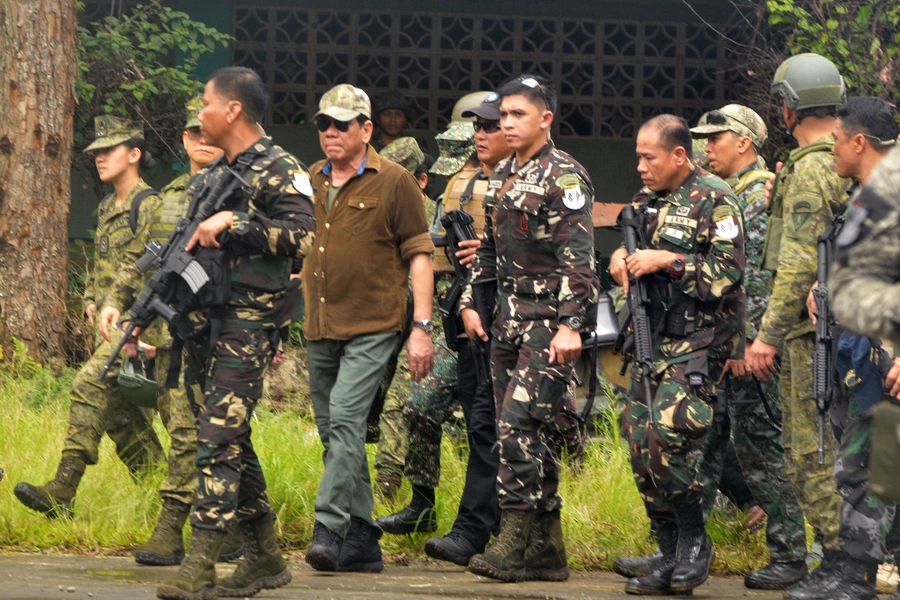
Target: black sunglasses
x,y
489,127
323,123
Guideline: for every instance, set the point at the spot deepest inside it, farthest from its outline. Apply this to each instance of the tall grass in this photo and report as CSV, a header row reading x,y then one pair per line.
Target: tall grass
x,y
603,517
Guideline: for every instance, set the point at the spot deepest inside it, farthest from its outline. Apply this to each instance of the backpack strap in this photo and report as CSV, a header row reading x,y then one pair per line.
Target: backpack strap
x,y
136,206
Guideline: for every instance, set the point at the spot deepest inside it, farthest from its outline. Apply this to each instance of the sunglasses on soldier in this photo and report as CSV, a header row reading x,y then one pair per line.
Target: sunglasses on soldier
x,y
323,123
487,126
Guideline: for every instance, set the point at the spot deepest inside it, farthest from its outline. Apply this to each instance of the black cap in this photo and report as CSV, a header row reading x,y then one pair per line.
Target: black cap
x,y
488,109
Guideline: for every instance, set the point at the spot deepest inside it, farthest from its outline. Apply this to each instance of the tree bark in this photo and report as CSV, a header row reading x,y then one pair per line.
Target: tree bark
x,y
38,64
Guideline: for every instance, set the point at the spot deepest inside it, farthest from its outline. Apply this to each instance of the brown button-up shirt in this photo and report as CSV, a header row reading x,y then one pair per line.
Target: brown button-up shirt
x,y
355,280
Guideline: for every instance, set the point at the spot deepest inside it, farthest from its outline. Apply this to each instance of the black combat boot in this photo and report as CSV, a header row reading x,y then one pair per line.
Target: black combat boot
x,y
695,551
55,498
418,517
824,572
262,567
637,566
545,554
360,551
196,578
325,550
776,575
505,558
454,547
166,544
657,582
233,546
847,581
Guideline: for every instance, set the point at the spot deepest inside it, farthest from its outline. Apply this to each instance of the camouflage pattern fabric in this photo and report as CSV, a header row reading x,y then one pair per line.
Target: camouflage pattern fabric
x,y
110,131
405,152
456,145
180,422
538,243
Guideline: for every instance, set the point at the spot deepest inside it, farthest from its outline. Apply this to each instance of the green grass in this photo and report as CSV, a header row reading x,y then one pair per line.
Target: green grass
x,y
603,517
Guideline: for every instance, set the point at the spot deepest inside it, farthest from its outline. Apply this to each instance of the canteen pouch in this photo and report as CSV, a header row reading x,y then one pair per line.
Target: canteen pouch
x,y
884,481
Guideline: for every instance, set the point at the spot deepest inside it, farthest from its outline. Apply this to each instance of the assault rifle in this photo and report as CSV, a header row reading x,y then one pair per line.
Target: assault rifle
x,y
638,305
172,261
823,357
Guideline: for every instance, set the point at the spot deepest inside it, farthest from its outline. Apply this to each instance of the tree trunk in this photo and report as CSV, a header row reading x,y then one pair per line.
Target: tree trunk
x,y
38,65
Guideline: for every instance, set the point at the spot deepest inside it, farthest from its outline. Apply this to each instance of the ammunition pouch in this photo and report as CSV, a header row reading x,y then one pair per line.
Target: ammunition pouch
x,y
672,312
215,262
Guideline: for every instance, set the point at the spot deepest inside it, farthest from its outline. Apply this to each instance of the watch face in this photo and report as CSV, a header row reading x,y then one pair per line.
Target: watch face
x,y
428,326
573,323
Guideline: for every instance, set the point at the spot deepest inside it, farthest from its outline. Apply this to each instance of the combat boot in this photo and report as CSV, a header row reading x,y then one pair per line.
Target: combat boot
x,y
776,575
637,566
166,545
824,572
455,547
418,517
55,498
695,552
545,554
196,578
847,581
360,551
325,550
658,581
505,558
262,567
233,546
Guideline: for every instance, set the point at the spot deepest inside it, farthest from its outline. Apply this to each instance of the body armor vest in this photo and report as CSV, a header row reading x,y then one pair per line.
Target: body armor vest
x,y
465,192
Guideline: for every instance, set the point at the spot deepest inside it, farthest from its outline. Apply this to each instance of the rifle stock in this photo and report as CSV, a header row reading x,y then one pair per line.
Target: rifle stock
x,y
823,359
638,304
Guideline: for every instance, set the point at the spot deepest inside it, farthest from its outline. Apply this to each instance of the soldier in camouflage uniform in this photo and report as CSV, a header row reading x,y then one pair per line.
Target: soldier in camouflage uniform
x,y
864,132
538,243
734,136
99,406
806,194
268,225
692,262
179,415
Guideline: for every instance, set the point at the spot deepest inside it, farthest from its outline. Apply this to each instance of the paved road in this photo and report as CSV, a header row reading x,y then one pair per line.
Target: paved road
x,y
46,577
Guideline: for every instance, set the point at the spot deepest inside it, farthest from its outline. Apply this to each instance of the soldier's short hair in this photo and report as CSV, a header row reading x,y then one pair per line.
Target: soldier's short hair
x,y
245,86
673,132
534,87
872,117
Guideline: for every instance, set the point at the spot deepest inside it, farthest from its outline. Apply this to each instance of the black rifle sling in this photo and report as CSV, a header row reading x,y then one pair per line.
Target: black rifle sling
x,y
136,207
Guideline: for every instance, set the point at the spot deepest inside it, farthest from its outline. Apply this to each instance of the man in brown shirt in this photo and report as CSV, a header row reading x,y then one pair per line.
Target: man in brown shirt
x,y
372,235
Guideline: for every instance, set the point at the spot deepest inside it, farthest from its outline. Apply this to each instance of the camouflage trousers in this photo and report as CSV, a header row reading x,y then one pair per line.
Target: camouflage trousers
x,y
666,458
865,520
98,407
231,484
179,417
391,452
528,395
814,484
760,451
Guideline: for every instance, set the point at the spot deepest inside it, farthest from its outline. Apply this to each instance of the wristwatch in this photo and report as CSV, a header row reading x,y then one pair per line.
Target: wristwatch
x,y
427,325
573,323
677,268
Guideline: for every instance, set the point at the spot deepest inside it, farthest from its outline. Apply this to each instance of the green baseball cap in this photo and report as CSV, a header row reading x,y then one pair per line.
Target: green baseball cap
x,y
193,108
405,152
456,144
345,102
742,120
111,131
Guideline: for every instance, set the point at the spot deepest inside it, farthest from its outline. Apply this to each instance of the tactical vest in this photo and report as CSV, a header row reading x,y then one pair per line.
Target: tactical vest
x,y
175,204
465,192
775,210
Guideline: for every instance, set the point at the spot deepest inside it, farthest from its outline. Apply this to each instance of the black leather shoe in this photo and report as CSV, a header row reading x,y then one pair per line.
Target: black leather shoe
x,y
410,520
325,550
360,551
846,582
639,566
453,547
776,576
694,556
654,583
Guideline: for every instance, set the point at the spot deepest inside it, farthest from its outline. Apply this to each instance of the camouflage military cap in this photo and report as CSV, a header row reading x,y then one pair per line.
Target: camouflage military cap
x,y
405,152
390,100
456,145
193,108
111,131
345,102
733,117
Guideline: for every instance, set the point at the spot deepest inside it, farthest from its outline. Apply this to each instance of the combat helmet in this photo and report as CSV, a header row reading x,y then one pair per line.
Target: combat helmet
x,y
809,81
137,381
467,102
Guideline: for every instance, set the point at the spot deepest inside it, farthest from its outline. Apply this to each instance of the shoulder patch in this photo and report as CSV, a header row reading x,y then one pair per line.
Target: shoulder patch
x,y
568,179
302,184
727,227
573,196
722,211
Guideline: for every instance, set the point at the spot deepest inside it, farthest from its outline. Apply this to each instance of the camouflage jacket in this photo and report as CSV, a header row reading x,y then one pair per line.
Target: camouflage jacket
x,y
812,194
863,283
749,185
702,220
116,247
273,223
538,243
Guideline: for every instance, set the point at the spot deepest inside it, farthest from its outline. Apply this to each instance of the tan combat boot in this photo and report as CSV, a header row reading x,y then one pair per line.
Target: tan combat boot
x,y
196,579
545,555
262,567
505,558
55,498
166,544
